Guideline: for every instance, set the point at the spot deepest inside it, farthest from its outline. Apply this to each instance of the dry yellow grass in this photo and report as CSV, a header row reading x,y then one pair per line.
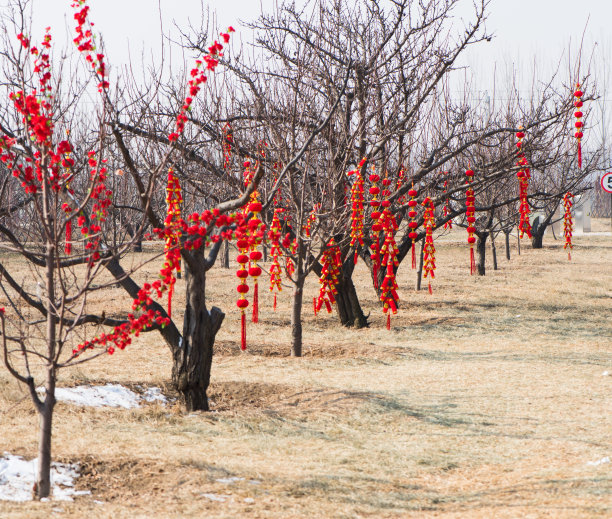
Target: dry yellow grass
x,y
485,400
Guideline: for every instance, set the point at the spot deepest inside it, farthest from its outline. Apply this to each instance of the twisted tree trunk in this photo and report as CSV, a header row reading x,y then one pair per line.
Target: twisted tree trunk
x,y
192,356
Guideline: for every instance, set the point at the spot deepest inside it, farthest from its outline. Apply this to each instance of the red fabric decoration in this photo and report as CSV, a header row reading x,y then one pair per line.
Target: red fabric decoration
x,y
256,231
329,277
357,209
523,176
388,255
275,251
173,230
470,213
429,251
228,140
449,224
413,224
578,124
68,245
568,224
376,226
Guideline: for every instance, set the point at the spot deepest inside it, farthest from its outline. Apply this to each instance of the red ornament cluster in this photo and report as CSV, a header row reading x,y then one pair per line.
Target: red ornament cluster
x,y
357,214
275,252
578,124
376,226
413,224
470,213
449,223
523,176
173,227
429,251
568,224
330,271
388,258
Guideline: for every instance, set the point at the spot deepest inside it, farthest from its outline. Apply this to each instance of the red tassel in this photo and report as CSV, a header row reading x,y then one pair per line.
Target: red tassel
x,y
430,290
472,262
579,155
569,256
413,256
170,292
275,302
68,246
256,303
243,332
388,320
314,305
375,272
355,259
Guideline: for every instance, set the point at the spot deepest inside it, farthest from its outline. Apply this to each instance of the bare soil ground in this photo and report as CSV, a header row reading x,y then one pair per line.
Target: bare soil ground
x,y
486,399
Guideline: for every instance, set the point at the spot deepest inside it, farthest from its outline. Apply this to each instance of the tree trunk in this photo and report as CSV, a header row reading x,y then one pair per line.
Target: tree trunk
x,y
507,234
347,302
419,278
43,476
536,240
493,249
225,255
296,317
481,250
192,358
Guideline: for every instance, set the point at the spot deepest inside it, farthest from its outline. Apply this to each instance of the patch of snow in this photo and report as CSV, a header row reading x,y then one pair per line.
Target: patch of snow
x,y
110,395
605,374
17,477
217,497
154,394
99,502
254,482
601,461
249,500
229,481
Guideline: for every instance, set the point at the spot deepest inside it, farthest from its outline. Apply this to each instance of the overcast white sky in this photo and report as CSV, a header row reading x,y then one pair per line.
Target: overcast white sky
x,y
521,27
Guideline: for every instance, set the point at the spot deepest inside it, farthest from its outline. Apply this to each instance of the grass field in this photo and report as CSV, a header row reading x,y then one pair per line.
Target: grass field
x,y
487,399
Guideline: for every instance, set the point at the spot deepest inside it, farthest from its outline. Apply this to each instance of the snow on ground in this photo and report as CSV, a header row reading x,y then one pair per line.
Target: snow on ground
x,y
110,395
17,477
601,461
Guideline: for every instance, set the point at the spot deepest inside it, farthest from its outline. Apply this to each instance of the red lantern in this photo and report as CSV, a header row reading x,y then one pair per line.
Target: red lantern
x,y
523,176
429,251
568,224
470,213
256,233
357,216
242,273
578,124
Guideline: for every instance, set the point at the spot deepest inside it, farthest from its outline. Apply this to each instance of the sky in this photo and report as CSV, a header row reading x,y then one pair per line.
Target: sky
x,y
524,31
521,28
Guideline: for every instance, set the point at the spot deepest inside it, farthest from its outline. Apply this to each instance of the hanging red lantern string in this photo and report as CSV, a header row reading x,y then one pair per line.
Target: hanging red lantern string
x,y
242,273
228,141
401,178
568,224
329,277
376,226
413,224
173,226
388,257
275,251
256,233
312,218
449,224
429,251
470,212
523,176
357,215
578,124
